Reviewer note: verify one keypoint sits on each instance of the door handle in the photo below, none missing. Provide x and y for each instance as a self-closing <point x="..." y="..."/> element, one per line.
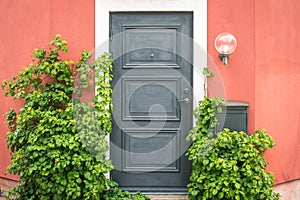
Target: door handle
<point x="185" y="100"/>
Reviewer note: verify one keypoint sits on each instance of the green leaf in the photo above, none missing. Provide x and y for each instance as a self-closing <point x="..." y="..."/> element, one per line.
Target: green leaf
<point x="214" y="191"/>
<point x="205" y="162"/>
<point x="219" y="109"/>
<point x="53" y="73"/>
<point x="237" y="185"/>
<point x="207" y="73"/>
<point x="235" y="168"/>
<point x="220" y="195"/>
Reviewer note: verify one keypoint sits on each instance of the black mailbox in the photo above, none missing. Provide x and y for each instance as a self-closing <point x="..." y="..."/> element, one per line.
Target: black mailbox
<point x="234" y="116"/>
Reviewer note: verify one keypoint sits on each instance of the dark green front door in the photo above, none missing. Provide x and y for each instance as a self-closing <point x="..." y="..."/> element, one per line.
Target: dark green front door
<point x="152" y="99"/>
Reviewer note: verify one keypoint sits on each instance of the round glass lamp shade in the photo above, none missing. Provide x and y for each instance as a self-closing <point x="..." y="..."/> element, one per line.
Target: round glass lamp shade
<point x="225" y="43"/>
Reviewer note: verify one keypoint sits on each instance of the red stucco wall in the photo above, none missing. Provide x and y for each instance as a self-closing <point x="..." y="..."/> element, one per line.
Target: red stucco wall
<point x="264" y="71"/>
<point x="28" y="24"/>
<point x="277" y="82"/>
<point x="236" y="17"/>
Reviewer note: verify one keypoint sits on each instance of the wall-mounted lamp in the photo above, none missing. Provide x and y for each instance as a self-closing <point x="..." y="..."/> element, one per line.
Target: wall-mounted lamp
<point x="225" y="43"/>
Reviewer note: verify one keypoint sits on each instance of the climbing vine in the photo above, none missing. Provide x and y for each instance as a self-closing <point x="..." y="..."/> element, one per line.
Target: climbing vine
<point x="206" y="119"/>
<point x="57" y="141"/>
<point x="229" y="164"/>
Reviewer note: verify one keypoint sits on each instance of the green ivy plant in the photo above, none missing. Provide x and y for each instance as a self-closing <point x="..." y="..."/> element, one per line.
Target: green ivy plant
<point x="206" y="119"/>
<point x="226" y="165"/>
<point x="207" y="74"/>
<point x="231" y="166"/>
<point x="57" y="142"/>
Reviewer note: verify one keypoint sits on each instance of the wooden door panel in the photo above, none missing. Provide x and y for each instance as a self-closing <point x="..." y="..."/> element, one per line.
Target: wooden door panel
<point x="152" y="69"/>
<point x="161" y="42"/>
<point x="151" y="150"/>
<point x="151" y="98"/>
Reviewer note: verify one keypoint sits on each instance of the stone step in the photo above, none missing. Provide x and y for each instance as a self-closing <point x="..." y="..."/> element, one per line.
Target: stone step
<point x="168" y="196"/>
<point x="5" y="185"/>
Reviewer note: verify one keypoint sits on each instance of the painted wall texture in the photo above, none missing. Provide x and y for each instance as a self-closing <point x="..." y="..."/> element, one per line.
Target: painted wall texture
<point x="264" y="71"/>
<point x="236" y="17"/>
<point x="277" y="82"/>
<point x="30" y="24"/>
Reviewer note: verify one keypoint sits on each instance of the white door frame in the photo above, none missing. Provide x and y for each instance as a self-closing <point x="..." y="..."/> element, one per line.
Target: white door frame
<point x="199" y="9"/>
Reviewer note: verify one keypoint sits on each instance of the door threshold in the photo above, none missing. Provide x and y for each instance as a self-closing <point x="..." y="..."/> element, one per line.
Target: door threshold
<point x="167" y="196"/>
<point x="157" y="190"/>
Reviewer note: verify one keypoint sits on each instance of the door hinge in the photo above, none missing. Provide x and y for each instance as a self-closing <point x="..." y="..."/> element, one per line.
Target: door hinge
<point x="111" y="34"/>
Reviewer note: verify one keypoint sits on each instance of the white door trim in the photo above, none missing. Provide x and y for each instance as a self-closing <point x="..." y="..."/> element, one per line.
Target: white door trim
<point x="199" y="9"/>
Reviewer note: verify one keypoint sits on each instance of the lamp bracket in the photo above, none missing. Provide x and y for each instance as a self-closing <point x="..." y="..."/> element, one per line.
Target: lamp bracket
<point x="224" y="57"/>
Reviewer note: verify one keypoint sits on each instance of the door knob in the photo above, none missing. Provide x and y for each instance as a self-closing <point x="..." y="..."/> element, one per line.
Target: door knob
<point x="185" y="100"/>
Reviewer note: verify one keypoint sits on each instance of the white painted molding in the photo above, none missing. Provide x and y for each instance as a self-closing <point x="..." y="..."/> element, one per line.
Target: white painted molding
<point x="199" y="9"/>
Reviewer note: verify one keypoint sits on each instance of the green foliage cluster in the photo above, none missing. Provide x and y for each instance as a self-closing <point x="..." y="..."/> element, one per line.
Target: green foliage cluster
<point x="206" y="119"/>
<point x="57" y="142"/>
<point x="229" y="164"/>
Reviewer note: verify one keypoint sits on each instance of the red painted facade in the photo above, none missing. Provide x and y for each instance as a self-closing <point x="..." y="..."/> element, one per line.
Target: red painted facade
<point x="277" y="82"/>
<point x="30" y="24"/>
<point x="263" y="71"/>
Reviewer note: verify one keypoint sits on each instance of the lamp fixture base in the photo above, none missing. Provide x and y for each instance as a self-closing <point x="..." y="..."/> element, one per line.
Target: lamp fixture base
<point x="224" y="57"/>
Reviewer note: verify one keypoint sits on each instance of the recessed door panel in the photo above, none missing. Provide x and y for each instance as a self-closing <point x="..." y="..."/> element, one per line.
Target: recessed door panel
<point x="148" y="150"/>
<point x="151" y="98"/>
<point x="150" y="46"/>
